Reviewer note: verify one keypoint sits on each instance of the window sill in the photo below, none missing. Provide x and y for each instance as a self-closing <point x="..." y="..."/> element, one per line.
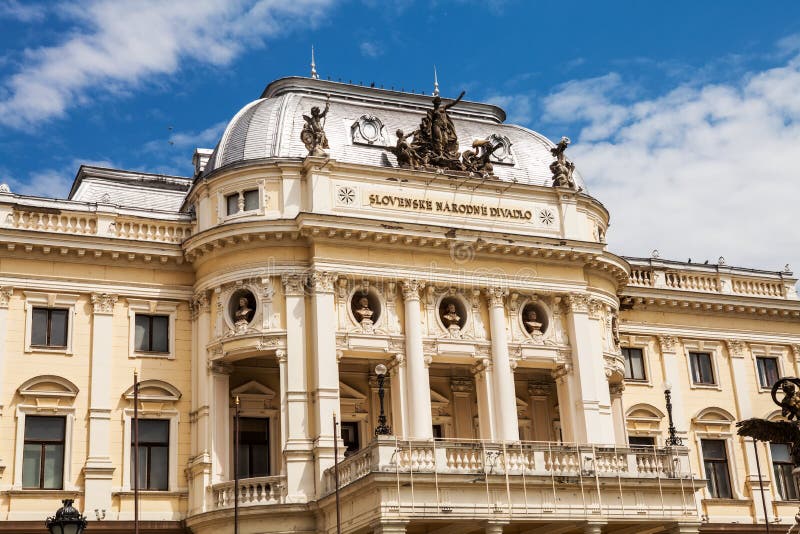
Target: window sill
<point x="43" y="492"/>
<point x="155" y="355"/>
<point x="240" y="214"/>
<point x="731" y="501"/>
<point x="636" y="381"/>
<point x="49" y="350"/>
<point x="706" y="386"/>
<point x="151" y="493"/>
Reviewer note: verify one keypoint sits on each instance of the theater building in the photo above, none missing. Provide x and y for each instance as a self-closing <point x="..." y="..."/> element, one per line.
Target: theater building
<point x="525" y="362"/>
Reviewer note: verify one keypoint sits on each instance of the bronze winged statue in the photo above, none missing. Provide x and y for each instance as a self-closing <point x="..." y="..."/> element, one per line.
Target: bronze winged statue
<point x="773" y="432"/>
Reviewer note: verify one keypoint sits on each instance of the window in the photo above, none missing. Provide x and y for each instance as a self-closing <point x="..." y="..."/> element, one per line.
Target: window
<point x="350" y="437"/>
<point x="641" y="441"/>
<point x="253" y="459"/>
<point x="151" y="333"/>
<point x="153" y="454"/>
<point x="715" y="462"/>
<point x="244" y="201"/>
<point x="43" y="452"/>
<point x="634" y="363"/>
<point x="438" y="433"/>
<point x="49" y="327"/>
<point x="782" y="467"/>
<point x="702" y="370"/>
<point x="767" y="371"/>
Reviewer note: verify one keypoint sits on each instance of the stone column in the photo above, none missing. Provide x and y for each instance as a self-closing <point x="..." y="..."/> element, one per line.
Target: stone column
<point x="99" y="468"/>
<point x="325" y="370"/>
<point x="484" y="389"/>
<point x="200" y="468"/>
<point x="397" y="383"/>
<point x="298" y="445"/>
<point x="737" y="351"/>
<point x="420" y="422"/>
<point x="592" y="422"/>
<point x="221" y="420"/>
<point x="566" y="403"/>
<point x="618" y="414"/>
<point x="5" y="298"/>
<point x="672" y="374"/>
<point x="462" y="389"/>
<point x="505" y="400"/>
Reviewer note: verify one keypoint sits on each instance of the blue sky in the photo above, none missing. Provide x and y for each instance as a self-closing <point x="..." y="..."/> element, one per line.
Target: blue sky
<point x="684" y="115"/>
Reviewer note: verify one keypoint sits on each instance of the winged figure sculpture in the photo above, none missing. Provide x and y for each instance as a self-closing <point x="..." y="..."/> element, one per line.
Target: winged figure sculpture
<point x="773" y="432"/>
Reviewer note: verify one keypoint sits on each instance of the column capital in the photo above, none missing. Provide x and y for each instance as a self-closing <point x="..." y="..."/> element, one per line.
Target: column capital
<point x="220" y="368"/>
<point x="539" y="389"/>
<point x="462" y="385"/>
<point x="796" y="352"/>
<point x="668" y="344"/>
<point x="5" y="295"/>
<point x="411" y="289"/>
<point x="200" y="303"/>
<point x="293" y="284"/>
<point x="561" y="371"/>
<point x="736" y="348"/>
<point x="322" y="281"/>
<point x="280" y="355"/>
<point x="596" y="308"/>
<point x="484" y="364"/>
<point x="103" y="303"/>
<point x="616" y="389"/>
<point x="578" y="302"/>
<point x="495" y="296"/>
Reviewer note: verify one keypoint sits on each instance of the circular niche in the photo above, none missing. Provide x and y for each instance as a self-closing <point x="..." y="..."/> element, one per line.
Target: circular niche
<point x="534" y="318"/>
<point x="242" y="306"/>
<point x="452" y="312"/>
<point x="365" y="305"/>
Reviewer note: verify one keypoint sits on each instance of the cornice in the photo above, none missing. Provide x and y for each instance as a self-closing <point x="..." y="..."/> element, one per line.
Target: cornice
<point x="672" y="333"/>
<point x="128" y="289"/>
<point x="708" y="303"/>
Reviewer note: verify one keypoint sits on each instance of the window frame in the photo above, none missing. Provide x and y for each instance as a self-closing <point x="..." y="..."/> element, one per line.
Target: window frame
<point x="171" y="415"/>
<point x="149" y="446"/>
<point x="625" y="349"/>
<point x="42" y="447"/>
<point x="24" y="410"/>
<point x="239" y="190"/>
<point x="269" y="444"/>
<point x="696" y="368"/>
<point x="152" y="307"/>
<point x="48" y="334"/>
<point x="150" y="317"/>
<point x="713" y="348"/>
<point x="715" y="462"/>
<point x="774" y="359"/>
<point x="790" y="480"/>
<point x="52" y="301"/>
<point x="778" y="353"/>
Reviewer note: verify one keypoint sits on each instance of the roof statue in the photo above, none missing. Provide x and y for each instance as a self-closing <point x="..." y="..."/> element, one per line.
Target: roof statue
<point x="562" y="168"/>
<point x="313" y="132"/>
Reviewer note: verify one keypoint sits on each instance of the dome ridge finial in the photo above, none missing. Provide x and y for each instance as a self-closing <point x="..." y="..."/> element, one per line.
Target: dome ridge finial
<point x="435" y="82"/>
<point x="314" y="75"/>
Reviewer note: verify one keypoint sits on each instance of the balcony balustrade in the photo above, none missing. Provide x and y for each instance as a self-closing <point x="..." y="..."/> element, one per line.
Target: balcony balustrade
<point x="252" y="492"/>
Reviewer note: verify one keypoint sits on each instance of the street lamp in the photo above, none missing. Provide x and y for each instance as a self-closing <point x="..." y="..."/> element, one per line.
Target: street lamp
<point x="672" y="440"/>
<point x="67" y="520"/>
<point x="382" y="429"/>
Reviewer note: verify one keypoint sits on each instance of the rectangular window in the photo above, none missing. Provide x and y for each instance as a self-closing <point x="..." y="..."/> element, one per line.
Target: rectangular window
<point x="641" y="441"/>
<point x="438" y="432"/>
<point x="251" y="200"/>
<point x="153" y="454"/>
<point x="767" y="371"/>
<point x="151" y="333"/>
<point x="351" y="437"/>
<point x="702" y="370"/>
<point x="634" y="363"/>
<point x="715" y="461"/>
<point x="49" y="327"/>
<point x="43" y="452"/>
<point x="232" y="202"/>
<point x="253" y="457"/>
<point x="782" y="467"/>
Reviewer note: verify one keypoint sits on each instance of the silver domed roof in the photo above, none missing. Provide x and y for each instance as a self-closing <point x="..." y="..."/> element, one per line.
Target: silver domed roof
<point x="270" y="128"/>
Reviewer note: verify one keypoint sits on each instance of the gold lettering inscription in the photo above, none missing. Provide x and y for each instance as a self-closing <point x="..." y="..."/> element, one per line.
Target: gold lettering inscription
<point x="454" y="208"/>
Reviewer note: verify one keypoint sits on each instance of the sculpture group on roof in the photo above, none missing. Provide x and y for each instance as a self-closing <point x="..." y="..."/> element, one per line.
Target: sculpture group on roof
<point x="313" y="132"/>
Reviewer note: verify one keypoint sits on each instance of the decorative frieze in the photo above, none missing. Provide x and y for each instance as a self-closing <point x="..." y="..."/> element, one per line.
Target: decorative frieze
<point x="5" y="296"/>
<point x="103" y="303"/>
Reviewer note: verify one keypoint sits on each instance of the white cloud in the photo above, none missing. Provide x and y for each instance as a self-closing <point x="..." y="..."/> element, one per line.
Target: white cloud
<point x="116" y="45"/>
<point x="370" y="49"/>
<point x="50" y="183"/>
<point x="13" y="9"/>
<point x="700" y="172"/>
<point x="518" y="107"/>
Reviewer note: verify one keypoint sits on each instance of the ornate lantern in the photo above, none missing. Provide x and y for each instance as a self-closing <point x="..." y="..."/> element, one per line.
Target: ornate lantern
<point x="68" y="520"/>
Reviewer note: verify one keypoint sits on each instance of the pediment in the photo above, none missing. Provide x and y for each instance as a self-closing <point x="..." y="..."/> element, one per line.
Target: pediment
<point x="253" y="388"/>
<point x="154" y="391"/>
<point x="48" y="386"/>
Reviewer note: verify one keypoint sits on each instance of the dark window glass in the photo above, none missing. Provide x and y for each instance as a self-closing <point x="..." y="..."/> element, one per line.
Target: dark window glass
<point x="702" y="370"/>
<point x="232" y="201"/>
<point x="641" y="441"/>
<point x="350" y="437"/>
<point x="251" y="200"/>
<point x="782" y="467"/>
<point x="43" y="452"/>
<point x="715" y="461"/>
<point x="253" y="457"/>
<point x="153" y="454"/>
<point x="767" y="371"/>
<point x="49" y="327"/>
<point x="634" y="364"/>
<point x="151" y="333"/>
<point x="438" y="432"/>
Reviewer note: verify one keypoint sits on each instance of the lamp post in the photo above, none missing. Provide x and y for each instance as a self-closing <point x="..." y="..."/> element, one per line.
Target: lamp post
<point x="382" y="429"/>
<point x="672" y="439"/>
<point x="67" y="520"/>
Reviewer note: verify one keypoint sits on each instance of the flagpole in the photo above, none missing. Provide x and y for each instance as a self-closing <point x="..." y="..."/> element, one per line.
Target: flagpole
<point x="135" y="452"/>
<point x="336" y="474"/>
<point x="236" y="467"/>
